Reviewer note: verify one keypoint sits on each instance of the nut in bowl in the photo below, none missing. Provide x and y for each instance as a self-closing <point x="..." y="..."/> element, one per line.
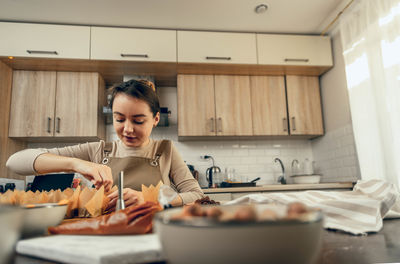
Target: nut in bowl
<point x="240" y="234"/>
<point x="38" y="217"/>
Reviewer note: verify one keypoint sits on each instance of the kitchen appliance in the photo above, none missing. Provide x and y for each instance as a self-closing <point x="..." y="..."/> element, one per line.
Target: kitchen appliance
<point x="272" y="241"/>
<point x="211" y="172"/>
<point x="120" y="201"/>
<point x="164" y="117"/>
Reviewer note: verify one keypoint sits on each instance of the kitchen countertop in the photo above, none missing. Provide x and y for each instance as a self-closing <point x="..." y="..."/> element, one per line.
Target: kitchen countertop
<point x="338" y="247"/>
<point x="282" y="187"/>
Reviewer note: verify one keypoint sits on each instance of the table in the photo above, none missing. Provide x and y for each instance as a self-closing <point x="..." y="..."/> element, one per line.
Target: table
<point x="338" y="247"/>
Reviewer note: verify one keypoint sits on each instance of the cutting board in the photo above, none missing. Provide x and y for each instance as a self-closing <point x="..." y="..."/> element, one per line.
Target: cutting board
<point x="94" y="249"/>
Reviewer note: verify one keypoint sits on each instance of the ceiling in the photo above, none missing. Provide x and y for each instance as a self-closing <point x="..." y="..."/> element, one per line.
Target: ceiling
<point x="282" y="16"/>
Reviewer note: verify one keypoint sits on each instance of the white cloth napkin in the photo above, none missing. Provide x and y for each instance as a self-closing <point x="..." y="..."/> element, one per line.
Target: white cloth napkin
<point x="358" y="211"/>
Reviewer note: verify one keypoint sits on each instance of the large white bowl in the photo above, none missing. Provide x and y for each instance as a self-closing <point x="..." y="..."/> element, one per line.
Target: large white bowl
<point x="306" y="179"/>
<point x="42" y="216"/>
<point x="206" y="241"/>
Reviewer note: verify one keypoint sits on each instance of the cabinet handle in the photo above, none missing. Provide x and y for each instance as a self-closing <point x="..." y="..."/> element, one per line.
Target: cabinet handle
<point x="48" y="125"/>
<point x="219" y="124"/>
<point x="293" y="123"/>
<point x="299" y="60"/>
<point x="42" y="52"/>
<point x="285" y="125"/>
<point x="212" y="125"/>
<point x="218" y="58"/>
<point x="134" y="55"/>
<point x="58" y="125"/>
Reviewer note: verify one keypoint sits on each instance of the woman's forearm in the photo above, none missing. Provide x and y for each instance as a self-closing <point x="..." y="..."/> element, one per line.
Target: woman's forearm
<point x="47" y="162"/>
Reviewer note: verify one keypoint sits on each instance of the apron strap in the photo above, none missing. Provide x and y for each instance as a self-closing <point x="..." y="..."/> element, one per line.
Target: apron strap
<point x="107" y="150"/>
<point x="159" y="152"/>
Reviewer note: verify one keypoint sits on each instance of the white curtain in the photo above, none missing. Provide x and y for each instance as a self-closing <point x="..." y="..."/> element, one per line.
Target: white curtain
<point x="370" y="33"/>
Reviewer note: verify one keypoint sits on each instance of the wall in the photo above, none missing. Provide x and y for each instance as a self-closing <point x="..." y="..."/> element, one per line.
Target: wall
<point x="335" y="152"/>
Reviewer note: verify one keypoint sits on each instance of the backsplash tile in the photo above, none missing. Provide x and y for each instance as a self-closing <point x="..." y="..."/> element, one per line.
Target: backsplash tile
<point x="335" y="155"/>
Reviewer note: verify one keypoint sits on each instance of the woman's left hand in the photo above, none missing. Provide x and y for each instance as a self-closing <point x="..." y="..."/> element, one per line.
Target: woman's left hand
<point x="131" y="197"/>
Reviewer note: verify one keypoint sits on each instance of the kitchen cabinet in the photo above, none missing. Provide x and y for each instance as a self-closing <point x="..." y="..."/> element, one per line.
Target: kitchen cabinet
<point x="214" y="105"/>
<point x="57" y="105"/>
<point x="133" y="44"/>
<point x="43" y="40"/>
<point x="276" y="49"/>
<point x="268" y="105"/>
<point x="304" y="105"/>
<point x="217" y="47"/>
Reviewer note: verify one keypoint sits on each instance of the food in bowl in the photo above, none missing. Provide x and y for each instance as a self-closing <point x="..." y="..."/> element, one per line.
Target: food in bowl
<point x="240" y="234"/>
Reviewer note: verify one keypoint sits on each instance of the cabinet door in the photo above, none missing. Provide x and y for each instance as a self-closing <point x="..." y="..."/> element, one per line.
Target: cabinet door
<point x="217" y="47"/>
<point x="46" y="41"/>
<point x="32" y="104"/>
<point x="233" y="105"/>
<point x="133" y="44"/>
<point x="196" y="108"/>
<point x="304" y="105"/>
<point x="268" y="104"/>
<point x="77" y="105"/>
<point x="294" y="50"/>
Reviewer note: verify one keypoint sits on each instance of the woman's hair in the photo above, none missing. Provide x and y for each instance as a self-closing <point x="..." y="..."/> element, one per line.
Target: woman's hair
<point x="140" y="89"/>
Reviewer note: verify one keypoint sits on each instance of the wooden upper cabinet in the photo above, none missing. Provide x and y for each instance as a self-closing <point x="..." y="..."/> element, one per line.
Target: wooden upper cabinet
<point x="216" y="47"/>
<point x="32" y="104"/>
<point x="304" y="105"/>
<point x="233" y="105"/>
<point x="57" y="104"/>
<point x="294" y="50"/>
<point x="133" y="44"/>
<point x="196" y="107"/>
<point x="80" y="97"/>
<point x="268" y="104"/>
<point x="46" y="41"/>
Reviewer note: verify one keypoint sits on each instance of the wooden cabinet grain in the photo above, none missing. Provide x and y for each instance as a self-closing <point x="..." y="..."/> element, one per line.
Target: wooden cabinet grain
<point x="57" y="104"/>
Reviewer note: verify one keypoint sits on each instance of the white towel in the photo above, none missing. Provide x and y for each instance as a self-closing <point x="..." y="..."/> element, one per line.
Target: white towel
<point x="358" y="211"/>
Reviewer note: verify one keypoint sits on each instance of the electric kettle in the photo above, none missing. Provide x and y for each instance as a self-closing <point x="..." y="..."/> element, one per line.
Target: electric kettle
<point x="211" y="172"/>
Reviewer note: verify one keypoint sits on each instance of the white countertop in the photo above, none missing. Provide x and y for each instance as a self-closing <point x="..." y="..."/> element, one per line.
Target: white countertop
<point x="283" y="187"/>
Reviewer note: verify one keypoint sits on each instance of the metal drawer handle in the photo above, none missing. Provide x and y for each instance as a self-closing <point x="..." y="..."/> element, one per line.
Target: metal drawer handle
<point x="212" y="125"/>
<point x="42" y="52"/>
<point x="220" y="124"/>
<point x="58" y="125"/>
<point x="48" y="125"/>
<point x="293" y="123"/>
<point x="218" y="58"/>
<point x="300" y="60"/>
<point x="285" y="125"/>
<point x="134" y="55"/>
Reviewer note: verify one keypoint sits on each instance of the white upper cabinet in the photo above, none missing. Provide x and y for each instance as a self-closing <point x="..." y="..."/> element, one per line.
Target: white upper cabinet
<point x="133" y="44"/>
<point x="217" y="47"/>
<point x="276" y="49"/>
<point x="46" y="41"/>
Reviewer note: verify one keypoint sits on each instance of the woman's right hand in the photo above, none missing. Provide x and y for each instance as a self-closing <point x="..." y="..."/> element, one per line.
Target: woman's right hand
<point x="98" y="174"/>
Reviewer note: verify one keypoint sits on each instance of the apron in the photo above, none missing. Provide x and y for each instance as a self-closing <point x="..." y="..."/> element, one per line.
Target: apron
<point x="137" y="170"/>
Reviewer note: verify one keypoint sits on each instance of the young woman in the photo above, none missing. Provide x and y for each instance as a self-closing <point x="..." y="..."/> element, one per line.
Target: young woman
<point x="136" y="111"/>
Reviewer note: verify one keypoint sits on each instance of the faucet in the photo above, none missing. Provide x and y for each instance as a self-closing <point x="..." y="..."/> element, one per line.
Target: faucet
<point x="281" y="178"/>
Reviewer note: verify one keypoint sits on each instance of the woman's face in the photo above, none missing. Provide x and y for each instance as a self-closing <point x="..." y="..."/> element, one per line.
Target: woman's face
<point x="133" y="120"/>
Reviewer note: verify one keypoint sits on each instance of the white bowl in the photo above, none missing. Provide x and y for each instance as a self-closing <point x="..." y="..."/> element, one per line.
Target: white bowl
<point x="207" y="241"/>
<point x="38" y="218"/>
<point x="306" y="179"/>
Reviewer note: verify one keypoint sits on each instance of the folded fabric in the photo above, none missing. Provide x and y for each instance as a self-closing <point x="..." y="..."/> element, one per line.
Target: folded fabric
<point x="358" y="211"/>
<point x="132" y="220"/>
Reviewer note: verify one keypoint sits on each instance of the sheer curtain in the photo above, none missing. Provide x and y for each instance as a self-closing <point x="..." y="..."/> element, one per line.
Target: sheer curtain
<point x="370" y="33"/>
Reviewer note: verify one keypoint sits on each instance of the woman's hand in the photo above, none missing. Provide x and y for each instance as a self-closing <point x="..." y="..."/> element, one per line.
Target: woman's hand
<point x="98" y="174"/>
<point x="131" y="197"/>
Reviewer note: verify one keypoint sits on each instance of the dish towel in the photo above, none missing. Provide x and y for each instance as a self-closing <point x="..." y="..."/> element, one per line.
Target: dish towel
<point x="358" y="211"/>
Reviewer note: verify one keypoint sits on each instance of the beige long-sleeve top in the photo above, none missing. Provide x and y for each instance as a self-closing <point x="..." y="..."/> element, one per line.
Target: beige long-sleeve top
<point x="172" y="165"/>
